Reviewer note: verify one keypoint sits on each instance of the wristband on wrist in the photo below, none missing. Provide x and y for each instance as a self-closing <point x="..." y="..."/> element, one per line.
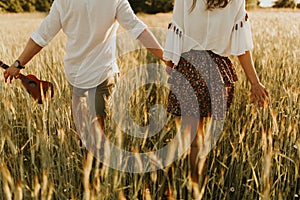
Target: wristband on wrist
<point x="18" y="65"/>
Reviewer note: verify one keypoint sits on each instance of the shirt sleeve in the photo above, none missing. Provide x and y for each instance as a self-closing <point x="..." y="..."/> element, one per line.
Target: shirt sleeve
<point x="128" y="20"/>
<point x="175" y="34"/>
<point x="50" y="26"/>
<point x="241" y="37"/>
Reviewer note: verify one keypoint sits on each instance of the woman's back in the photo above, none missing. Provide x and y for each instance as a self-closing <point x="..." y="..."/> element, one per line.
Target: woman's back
<point x="214" y="29"/>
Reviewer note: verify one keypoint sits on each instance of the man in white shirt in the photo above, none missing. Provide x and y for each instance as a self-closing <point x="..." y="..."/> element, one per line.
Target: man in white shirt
<point x="90" y="60"/>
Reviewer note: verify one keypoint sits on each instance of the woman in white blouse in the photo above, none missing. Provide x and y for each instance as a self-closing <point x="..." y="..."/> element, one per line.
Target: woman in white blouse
<point x="201" y="36"/>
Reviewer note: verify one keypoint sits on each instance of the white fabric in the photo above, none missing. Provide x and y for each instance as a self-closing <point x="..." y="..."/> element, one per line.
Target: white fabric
<point x="203" y="29"/>
<point x="91" y="28"/>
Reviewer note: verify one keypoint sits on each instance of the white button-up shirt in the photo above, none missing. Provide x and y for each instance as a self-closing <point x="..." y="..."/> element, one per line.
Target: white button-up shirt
<point x="90" y="27"/>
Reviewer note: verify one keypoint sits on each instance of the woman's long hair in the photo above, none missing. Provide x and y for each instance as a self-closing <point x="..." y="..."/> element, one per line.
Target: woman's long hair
<point x="212" y="4"/>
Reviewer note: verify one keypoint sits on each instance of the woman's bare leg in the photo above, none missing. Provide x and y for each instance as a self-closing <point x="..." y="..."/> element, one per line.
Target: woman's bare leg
<point x="194" y="152"/>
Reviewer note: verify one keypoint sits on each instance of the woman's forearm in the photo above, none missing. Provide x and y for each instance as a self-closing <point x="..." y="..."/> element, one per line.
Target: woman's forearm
<point x="248" y="67"/>
<point x="258" y="90"/>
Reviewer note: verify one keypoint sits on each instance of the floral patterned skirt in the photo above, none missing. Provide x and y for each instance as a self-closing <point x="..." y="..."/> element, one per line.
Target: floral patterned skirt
<point x="201" y="85"/>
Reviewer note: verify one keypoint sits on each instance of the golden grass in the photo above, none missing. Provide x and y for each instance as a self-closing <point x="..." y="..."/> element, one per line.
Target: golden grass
<point x="256" y="157"/>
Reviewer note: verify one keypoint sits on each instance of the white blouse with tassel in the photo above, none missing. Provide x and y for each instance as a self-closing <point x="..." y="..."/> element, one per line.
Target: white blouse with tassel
<point x="225" y="31"/>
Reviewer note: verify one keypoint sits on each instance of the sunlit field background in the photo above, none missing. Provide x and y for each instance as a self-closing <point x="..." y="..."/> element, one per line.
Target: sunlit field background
<point x="256" y="157"/>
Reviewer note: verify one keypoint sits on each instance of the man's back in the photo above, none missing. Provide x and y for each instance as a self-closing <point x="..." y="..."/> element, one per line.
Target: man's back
<point x="90" y="27"/>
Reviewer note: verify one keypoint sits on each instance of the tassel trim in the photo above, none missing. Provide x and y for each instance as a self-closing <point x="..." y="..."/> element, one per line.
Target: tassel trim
<point x="241" y="24"/>
<point x="176" y="30"/>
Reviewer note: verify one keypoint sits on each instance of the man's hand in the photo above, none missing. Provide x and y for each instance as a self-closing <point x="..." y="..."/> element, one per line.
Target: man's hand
<point x="10" y="73"/>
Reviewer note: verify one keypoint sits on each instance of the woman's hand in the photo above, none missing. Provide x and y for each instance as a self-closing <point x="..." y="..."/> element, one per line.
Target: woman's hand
<point x="10" y="73"/>
<point x="259" y="94"/>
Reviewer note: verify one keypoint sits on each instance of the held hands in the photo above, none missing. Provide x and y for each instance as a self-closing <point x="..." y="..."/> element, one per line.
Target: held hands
<point x="169" y="66"/>
<point x="10" y="73"/>
<point x="259" y="94"/>
<point x="168" y="63"/>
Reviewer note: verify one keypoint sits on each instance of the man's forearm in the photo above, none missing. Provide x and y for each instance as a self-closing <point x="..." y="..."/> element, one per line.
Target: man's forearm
<point x="151" y="44"/>
<point x="30" y="50"/>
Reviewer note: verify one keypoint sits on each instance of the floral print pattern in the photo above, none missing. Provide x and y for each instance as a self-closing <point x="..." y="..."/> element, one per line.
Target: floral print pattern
<point x="201" y="85"/>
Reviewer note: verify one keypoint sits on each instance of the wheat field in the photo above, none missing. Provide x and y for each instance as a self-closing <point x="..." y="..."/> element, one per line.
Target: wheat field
<point x="256" y="157"/>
